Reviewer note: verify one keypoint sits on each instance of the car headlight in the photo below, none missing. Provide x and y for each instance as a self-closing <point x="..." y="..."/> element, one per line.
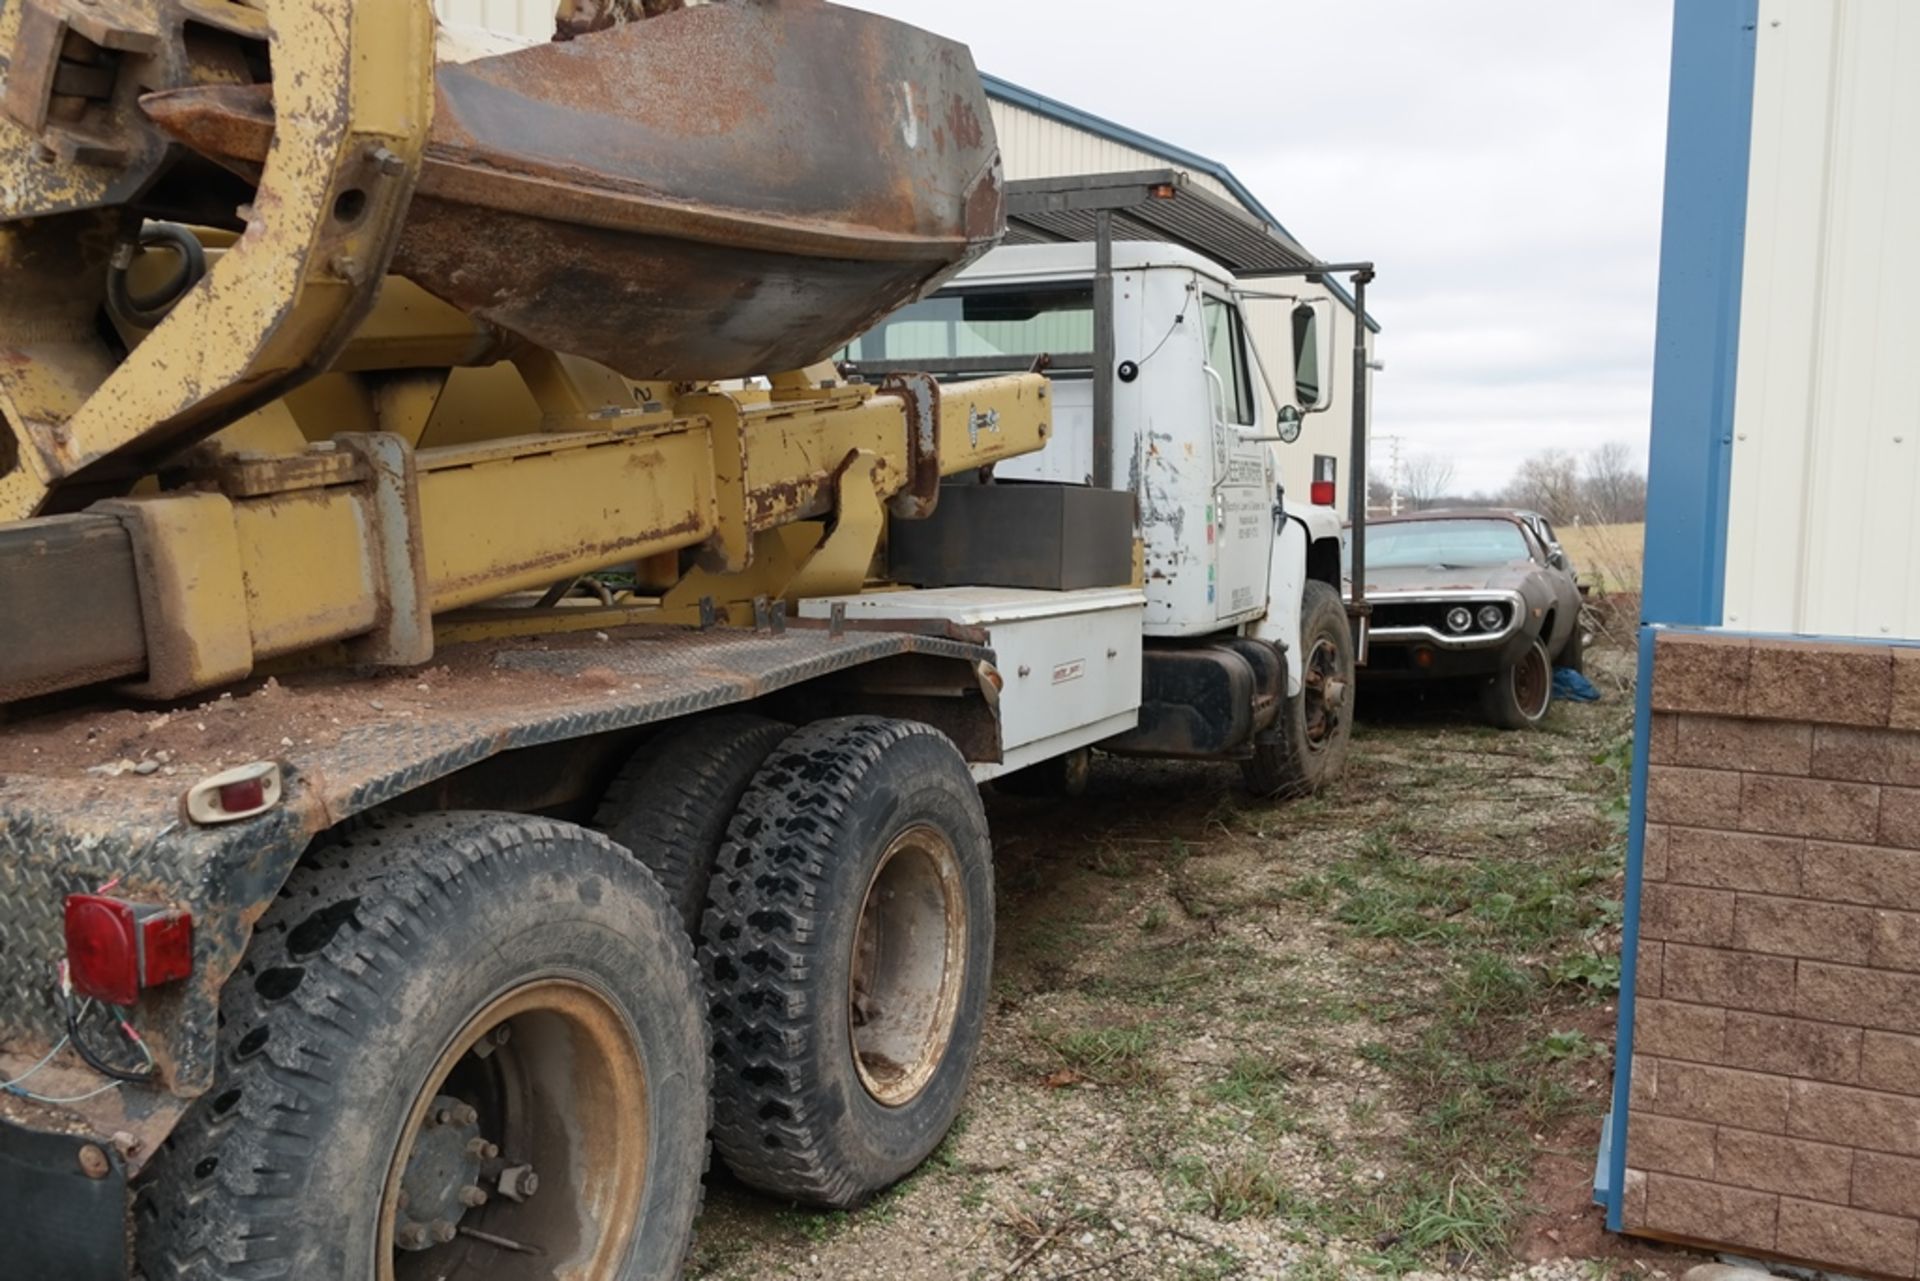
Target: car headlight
<point x="1459" y="619"/>
<point x="1492" y="618"/>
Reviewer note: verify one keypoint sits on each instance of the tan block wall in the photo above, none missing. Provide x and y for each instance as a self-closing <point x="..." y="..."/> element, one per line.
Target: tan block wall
<point x="1775" y="1102"/>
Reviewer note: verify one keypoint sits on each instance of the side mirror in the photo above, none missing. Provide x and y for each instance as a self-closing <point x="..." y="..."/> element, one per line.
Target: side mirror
<point x="1291" y="421"/>
<point x="1312" y="368"/>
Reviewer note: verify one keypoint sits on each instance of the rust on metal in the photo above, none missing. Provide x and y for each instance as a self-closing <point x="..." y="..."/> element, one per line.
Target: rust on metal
<point x="723" y="190"/>
<point x="919" y="394"/>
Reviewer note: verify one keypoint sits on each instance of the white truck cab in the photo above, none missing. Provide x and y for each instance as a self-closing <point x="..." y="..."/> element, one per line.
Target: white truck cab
<point x="1197" y="415"/>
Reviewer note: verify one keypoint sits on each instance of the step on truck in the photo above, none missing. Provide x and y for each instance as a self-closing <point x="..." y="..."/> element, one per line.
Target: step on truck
<point x="476" y="723"/>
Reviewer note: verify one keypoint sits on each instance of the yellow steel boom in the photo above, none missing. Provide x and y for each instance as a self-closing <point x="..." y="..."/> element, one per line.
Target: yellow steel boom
<point x="284" y="370"/>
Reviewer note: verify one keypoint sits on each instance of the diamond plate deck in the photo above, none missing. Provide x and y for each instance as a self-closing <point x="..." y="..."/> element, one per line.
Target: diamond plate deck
<point x="347" y="745"/>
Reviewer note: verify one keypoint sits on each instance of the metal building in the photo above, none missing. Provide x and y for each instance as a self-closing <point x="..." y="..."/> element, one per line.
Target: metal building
<point x="1767" y="1081"/>
<point x="1041" y="137"/>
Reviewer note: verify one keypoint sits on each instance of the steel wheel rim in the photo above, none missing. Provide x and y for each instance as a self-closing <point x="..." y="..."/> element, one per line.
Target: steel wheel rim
<point x="1324" y="693"/>
<point x="1532" y="680"/>
<point x="564" y="1093"/>
<point x="908" y="966"/>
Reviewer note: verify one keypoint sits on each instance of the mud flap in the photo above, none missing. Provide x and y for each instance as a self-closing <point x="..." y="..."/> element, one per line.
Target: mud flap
<point x="60" y="1221"/>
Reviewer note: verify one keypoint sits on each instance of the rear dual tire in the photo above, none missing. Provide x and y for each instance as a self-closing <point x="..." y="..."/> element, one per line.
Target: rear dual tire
<point x="848" y="951"/>
<point x="413" y="970"/>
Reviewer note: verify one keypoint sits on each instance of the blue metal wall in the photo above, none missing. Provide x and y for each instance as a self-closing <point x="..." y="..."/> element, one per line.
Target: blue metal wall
<point x="1696" y="354"/>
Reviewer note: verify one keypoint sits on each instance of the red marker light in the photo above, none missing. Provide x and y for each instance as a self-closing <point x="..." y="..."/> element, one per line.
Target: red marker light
<point x="115" y="949"/>
<point x="1321" y="493"/>
<point x="248" y="794"/>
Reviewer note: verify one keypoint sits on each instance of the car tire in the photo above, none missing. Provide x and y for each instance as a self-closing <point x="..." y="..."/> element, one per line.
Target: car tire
<point x="422" y="988"/>
<point x="1518" y="696"/>
<point x="848" y="956"/>
<point x="673" y="800"/>
<point x="1307" y="749"/>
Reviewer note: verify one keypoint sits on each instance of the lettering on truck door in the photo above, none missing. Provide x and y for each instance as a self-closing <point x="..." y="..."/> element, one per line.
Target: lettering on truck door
<point x="1240" y="515"/>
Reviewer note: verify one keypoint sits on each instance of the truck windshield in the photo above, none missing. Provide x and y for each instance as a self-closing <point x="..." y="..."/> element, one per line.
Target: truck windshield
<point x="984" y="324"/>
<point x="1461" y="544"/>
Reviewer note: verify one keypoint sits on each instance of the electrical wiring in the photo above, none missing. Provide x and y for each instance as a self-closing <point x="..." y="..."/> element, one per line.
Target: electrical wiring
<point x="1193" y="291"/>
<point x="11" y="1086"/>
<point x="96" y="1062"/>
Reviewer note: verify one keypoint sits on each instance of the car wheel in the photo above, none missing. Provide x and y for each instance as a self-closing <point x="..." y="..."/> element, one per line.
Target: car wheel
<point x="1518" y="696"/>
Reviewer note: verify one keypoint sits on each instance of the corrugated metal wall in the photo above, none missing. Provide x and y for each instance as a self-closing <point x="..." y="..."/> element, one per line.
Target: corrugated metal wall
<point x="530" y="18"/>
<point x="1823" y="536"/>
<point x="1037" y="146"/>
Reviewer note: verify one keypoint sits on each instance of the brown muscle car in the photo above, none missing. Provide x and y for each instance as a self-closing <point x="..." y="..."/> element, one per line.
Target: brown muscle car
<point x="1482" y="597"/>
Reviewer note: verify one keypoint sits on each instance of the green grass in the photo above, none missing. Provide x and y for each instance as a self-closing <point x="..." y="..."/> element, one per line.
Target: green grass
<point x="1485" y="941"/>
<point x="1120" y="1056"/>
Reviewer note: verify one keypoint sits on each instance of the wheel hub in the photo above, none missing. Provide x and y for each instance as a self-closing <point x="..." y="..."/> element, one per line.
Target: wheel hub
<point x="552" y="1071"/>
<point x="1324" y="691"/>
<point x="909" y="963"/>
<point x="442" y="1177"/>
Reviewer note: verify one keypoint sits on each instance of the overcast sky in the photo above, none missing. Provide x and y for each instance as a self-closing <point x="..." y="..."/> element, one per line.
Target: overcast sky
<point x="1501" y="161"/>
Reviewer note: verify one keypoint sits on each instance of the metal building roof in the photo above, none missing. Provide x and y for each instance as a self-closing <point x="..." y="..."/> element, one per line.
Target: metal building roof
<point x="1156" y="204"/>
<point x="1052" y="108"/>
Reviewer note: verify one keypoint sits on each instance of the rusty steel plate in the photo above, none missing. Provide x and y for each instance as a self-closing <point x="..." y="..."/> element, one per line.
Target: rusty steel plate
<point x="347" y="744"/>
<point x="725" y="190"/>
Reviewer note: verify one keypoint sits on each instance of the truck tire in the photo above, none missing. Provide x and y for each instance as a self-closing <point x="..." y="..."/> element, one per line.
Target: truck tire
<point x="672" y="801"/>
<point x="1307" y="749"/>
<point x="1518" y="697"/>
<point x="421" y="989"/>
<point x="848" y="953"/>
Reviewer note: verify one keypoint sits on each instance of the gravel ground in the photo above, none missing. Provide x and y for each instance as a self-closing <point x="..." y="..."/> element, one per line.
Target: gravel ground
<point x="1205" y="1056"/>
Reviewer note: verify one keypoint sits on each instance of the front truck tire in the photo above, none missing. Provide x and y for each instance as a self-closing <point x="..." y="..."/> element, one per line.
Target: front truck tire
<point x="848" y="953"/>
<point x="1307" y="749"/>
<point x="441" y="1011"/>
<point x="671" y="803"/>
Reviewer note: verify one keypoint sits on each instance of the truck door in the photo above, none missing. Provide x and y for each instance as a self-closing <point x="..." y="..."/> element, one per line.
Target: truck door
<point x="1241" y="513"/>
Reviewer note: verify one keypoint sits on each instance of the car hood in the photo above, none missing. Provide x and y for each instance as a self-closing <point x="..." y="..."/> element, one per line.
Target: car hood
<point x="1436" y="578"/>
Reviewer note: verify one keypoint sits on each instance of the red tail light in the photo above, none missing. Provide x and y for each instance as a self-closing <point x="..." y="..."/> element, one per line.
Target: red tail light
<point x="116" y="948"/>
<point x="1322" y="493"/>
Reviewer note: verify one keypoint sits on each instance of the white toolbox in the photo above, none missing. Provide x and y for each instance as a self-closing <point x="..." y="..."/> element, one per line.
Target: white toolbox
<point x="1070" y="661"/>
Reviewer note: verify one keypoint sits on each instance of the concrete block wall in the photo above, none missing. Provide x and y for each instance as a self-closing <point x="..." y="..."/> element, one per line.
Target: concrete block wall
<point x="1775" y="1097"/>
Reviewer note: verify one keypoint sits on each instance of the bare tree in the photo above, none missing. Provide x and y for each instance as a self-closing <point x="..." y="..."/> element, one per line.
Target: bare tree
<point x="1549" y="483"/>
<point x="1614" y="487"/>
<point x="1429" y="480"/>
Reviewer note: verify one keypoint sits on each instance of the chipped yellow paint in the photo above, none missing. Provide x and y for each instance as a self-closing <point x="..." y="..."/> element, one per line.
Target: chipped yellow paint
<point x="350" y="79"/>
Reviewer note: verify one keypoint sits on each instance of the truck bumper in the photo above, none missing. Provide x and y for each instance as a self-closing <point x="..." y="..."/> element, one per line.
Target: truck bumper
<point x="65" y="1200"/>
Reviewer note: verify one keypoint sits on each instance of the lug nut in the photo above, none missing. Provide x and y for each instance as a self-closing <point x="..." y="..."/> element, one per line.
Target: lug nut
<point x="482" y="1149"/>
<point x="444" y="1231"/>
<point x="413" y="1237"/>
<point x="467" y="1114"/>
<point x="471" y="1196"/>
<point x="518" y="1182"/>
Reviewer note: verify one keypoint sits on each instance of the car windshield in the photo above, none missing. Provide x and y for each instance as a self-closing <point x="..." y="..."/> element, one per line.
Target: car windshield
<point x="1444" y="544"/>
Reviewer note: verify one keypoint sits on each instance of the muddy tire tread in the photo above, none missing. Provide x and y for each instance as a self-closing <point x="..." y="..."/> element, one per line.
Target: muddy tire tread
<point x="403" y="878"/>
<point x="672" y="802"/>
<point x="768" y="1124"/>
